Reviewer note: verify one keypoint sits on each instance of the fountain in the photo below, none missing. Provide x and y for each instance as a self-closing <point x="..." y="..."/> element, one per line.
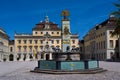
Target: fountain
<point x="67" y="61"/>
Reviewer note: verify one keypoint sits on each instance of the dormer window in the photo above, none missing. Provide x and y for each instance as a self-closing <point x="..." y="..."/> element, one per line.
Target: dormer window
<point x="46" y="26"/>
<point x="46" y="32"/>
<point x="35" y="32"/>
<point x="57" y="32"/>
<point x="52" y="32"/>
<point x="110" y="32"/>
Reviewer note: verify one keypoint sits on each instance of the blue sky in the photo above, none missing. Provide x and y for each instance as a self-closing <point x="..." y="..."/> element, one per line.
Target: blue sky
<point x="22" y="15"/>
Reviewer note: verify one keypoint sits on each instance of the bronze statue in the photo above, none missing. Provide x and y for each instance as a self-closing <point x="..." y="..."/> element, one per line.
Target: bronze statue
<point x="65" y="13"/>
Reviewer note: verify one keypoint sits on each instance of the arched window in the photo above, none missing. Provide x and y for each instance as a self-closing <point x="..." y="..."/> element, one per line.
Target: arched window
<point x="11" y="49"/>
<point x="11" y="57"/>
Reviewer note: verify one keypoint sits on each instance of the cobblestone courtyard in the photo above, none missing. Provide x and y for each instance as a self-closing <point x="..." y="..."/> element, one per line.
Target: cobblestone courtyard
<point x="21" y="71"/>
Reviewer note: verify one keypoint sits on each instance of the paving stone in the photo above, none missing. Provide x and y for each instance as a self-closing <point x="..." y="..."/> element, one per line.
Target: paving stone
<point x="21" y="71"/>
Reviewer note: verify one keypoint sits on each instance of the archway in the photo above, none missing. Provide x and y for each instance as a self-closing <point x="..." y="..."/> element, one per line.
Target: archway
<point x="42" y="55"/>
<point x="47" y="56"/>
<point x="11" y="57"/>
<point x="112" y="57"/>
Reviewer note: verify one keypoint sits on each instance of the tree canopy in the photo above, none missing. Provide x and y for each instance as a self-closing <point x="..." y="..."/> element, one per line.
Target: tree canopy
<point x="117" y="15"/>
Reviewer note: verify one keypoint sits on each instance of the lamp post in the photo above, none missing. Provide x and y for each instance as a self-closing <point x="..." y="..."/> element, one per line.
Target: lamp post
<point x="1" y="53"/>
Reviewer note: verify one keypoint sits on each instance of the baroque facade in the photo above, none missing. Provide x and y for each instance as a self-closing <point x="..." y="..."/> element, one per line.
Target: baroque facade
<point x="45" y="35"/>
<point x="4" y="43"/>
<point x="98" y="42"/>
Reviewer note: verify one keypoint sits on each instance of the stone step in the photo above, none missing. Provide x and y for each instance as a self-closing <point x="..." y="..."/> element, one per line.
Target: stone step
<point x="91" y="71"/>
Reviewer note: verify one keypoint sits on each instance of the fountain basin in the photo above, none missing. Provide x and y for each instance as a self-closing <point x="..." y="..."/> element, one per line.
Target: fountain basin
<point x="68" y="65"/>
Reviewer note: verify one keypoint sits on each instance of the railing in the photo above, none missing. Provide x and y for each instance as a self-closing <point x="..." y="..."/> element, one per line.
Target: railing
<point x="24" y="34"/>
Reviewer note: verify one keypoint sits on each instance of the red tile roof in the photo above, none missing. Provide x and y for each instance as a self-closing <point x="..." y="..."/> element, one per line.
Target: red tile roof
<point x="41" y="26"/>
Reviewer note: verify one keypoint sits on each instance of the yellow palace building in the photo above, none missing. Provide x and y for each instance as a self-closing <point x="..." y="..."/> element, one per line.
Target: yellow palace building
<point x="98" y="42"/>
<point x="31" y="46"/>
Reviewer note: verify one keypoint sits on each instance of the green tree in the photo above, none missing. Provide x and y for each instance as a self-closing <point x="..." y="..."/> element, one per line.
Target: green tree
<point x="117" y="15"/>
<point x="117" y="28"/>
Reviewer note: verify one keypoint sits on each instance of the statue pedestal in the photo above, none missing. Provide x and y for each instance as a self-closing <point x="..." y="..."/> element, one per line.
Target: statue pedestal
<point x="66" y="55"/>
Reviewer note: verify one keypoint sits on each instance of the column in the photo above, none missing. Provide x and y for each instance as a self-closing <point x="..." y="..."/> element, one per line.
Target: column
<point x="15" y="57"/>
<point x="50" y="56"/>
<point x="44" y="56"/>
<point x="21" y="58"/>
<point x="27" y="57"/>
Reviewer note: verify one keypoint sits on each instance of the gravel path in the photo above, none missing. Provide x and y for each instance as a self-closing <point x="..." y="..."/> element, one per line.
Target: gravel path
<point x="20" y="71"/>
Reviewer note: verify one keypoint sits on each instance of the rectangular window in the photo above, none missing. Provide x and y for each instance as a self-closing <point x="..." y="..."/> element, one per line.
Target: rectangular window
<point x="101" y="45"/>
<point x="73" y="41"/>
<point x="25" y="41"/>
<point x="52" y="41"/>
<point x="30" y="41"/>
<point x="19" y="41"/>
<point x="36" y="41"/>
<point x="110" y="32"/>
<point x="97" y="46"/>
<point x="117" y="44"/>
<point x="52" y="32"/>
<point x="41" y="41"/>
<point x="41" y="47"/>
<point x="46" y="32"/>
<point x="57" y="32"/>
<point x="57" y="41"/>
<point x="111" y="43"/>
<point x="11" y="49"/>
<point x="19" y="48"/>
<point x="30" y="48"/>
<point x="104" y="44"/>
<point x="25" y="48"/>
<point x="35" y="32"/>
<point x="101" y="34"/>
<point x="41" y="32"/>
